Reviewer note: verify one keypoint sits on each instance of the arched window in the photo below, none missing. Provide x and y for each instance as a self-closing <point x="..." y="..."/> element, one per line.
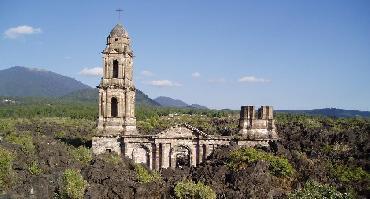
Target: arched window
<point x="115" y="69"/>
<point x="114" y="107"/>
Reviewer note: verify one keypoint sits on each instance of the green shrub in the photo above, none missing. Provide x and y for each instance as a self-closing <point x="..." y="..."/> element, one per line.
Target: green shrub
<point x="60" y="134"/>
<point x="24" y="140"/>
<point x="112" y="158"/>
<point x="7" y="126"/>
<point x="314" y="189"/>
<point x="34" y="168"/>
<point x="81" y="154"/>
<point x="243" y="157"/>
<point x="189" y="189"/>
<point x="348" y="174"/>
<point x="144" y="176"/>
<point x="73" y="184"/>
<point x="6" y="172"/>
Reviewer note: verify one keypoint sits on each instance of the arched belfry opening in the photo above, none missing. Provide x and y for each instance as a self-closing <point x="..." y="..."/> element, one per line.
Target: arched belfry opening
<point x="115" y="69"/>
<point x="114" y="107"/>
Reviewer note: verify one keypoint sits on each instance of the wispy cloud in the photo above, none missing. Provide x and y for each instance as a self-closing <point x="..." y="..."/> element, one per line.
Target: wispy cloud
<point x="15" y="32"/>
<point x="147" y="73"/>
<point x="218" y="80"/>
<point x="195" y="74"/>
<point x="96" y="71"/>
<point x="164" y="83"/>
<point x="253" y="79"/>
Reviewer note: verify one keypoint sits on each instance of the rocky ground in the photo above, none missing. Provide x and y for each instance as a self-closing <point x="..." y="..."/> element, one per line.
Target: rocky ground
<point x="325" y="150"/>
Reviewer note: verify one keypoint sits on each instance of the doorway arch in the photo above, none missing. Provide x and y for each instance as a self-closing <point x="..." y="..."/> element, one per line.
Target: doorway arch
<point x="180" y="156"/>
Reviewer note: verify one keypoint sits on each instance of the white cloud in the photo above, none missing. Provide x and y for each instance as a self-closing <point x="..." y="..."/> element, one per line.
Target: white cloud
<point x="15" y="32"/>
<point x="218" y="80"/>
<point x="96" y="71"/>
<point x="253" y="79"/>
<point x="164" y="83"/>
<point x="147" y="73"/>
<point x="195" y="74"/>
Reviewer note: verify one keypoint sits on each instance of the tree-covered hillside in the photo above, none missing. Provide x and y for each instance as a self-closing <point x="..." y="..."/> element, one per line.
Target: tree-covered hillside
<point x="22" y="81"/>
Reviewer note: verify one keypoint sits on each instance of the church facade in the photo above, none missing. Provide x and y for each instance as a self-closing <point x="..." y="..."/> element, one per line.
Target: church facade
<point x="181" y="145"/>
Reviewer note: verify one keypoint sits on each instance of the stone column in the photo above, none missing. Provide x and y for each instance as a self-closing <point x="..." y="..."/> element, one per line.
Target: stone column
<point x="105" y="68"/>
<point x="119" y="105"/>
<point x="110" y="71"/>
<point x="100" y="102"/>
<point x="132" y="104"/>
<point x="194" y="155"/>
<point x="166" y="155"/>
<point x="127" y="103"/>
<point x="109" y="106"/>
<point x="150" y="158"/>
<point x="200" y="153"/>
<point x="157" y="156"/>
<point x="103" y="102"/>
<point x="123" y="68"/>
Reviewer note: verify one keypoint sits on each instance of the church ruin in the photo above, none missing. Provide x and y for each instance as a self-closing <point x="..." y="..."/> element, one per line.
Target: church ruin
<point x="181" y="145"/>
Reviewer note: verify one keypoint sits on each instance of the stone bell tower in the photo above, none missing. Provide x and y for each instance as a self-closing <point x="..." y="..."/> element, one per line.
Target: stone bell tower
<point x="116" y="89"/>
<point x="116" y="94"/>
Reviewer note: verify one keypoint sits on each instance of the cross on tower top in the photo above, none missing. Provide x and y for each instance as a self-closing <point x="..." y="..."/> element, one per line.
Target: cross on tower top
<point x="119" y="10"/>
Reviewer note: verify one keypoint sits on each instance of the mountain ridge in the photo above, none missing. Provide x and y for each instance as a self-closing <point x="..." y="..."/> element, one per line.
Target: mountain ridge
<point x="176" y="103"/>
<point x="329" y="112"/>
<point x="22" y="82"/>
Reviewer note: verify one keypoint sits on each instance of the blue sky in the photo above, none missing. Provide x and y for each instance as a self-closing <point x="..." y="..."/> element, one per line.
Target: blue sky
<point x="223" y="54"/>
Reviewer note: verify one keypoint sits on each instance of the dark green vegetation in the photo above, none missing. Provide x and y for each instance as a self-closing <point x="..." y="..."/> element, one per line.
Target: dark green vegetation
<point x="73" y="185"/>
<point x="45" y="147"/>
<point x="145" y="176"/>
<point x="6" y="162"/>
<point x="243" y="157"/>
<point x="189" y="189"/>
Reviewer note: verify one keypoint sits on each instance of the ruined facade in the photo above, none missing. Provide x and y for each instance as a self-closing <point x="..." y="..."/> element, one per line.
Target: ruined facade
<point x="181" y="145"/>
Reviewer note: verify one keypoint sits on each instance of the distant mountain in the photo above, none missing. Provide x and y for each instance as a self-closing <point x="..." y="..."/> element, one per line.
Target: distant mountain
<point x="169" y="102"/>
<point x="143" y="99"/>
<point x="91" y="95"/>
<point x="22" y="81"/>
<point x="330" y="112"/>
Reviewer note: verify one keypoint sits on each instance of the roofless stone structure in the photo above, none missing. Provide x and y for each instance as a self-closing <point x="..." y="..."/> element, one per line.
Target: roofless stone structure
<point x="181" y="145"/>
